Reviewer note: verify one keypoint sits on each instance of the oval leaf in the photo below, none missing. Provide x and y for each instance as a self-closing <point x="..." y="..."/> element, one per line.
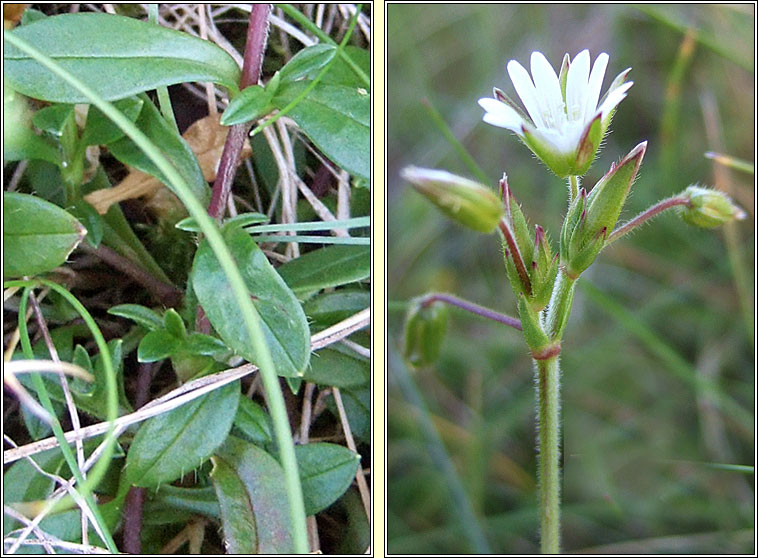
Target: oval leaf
<point x="252" y="103"/>
<point x="249" y="484"/>
<point x="157" y="345"/>
<point x="99" y="130"/>
<point x="336" y="118"/>
<point x="142" y="315"/>
<point x="253" y="421"/>
<point x="173" y="444"/>
<point x="37" y="235"/>
<point x="327" y="267"/>
<point x="308" y="60"/>
<point x="282" y="317"/>
<point x="333" y="368"/>
<point x="117" y="56"/>
<point x="326" y="471"/>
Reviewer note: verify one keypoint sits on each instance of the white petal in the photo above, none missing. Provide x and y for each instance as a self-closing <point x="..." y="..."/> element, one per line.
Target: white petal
<point x="595" y="83"/>
<point x="556" y="141"/>
<point x="548" y="91"/>
<point x="500" y="114"/>
<point x="576" y="86"/>
<point x="614" y="98"/>
<point x="525" y="89"/>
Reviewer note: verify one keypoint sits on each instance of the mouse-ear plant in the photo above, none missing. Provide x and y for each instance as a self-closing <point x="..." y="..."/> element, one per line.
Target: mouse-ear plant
<point x="564" y="123"/>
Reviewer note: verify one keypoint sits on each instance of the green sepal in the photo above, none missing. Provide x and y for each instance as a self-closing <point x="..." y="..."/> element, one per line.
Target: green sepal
<point x="575" y="210"/>
<point x="519" y="225"/>
<point x="559" y="163"/>
<point x="544" y="290"/>
<point x="607" y="198"/>
<point x="503" y="98"/>
<point x="563" y="75"/>
<point x="589" y="145"/>
<point x="534" y="335"/>
<point x="510" y="268"/>
<point x="586" y="254"/>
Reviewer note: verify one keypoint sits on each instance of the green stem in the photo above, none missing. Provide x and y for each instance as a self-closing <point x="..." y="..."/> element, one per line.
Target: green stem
<point x="548" y="397"/>
<point x="573" y="187"/>
<point x="164" y="100"/>
<point x="548" y="415"/>
<point x="313" y="83"/>
<point x="250" y="315"/>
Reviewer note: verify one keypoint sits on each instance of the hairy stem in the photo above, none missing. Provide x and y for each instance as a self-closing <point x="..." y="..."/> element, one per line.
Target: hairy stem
<point x="573" y="187"/>
<point x="645" y="216"/>
<point x="257" y="33"/>
<point x="548" y="416"/>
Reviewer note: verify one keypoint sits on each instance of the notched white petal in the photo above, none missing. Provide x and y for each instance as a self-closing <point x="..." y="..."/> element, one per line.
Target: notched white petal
<point x="525" y="89"/>
<point x="500" y="114"/>
<point x="576" y="86"/>
<point x="595" y="82"/>
<point x="548" y="91"/>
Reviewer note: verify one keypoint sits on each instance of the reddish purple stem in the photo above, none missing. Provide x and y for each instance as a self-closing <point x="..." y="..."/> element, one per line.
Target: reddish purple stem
<point x="257" y="32"/>
<point x="646" y="215"/>
<point x="471" y="307"/>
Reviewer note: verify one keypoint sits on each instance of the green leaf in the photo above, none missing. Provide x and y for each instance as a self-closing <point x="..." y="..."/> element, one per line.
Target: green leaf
<point x="341" y="73"/>
<point x="172" y="444"/>
<point x="206" y="345"/>
<point x="172" y="146"/>
<point x="252" y="103"/>
<point x="307" y="61"/>
<point x="282" y="317"/>
<point x="326" y="471"/>
<point x="327" y="267"/>
<point x="142" y="315"/>
<point x="37" y="235"/>
<point x="336" y="118"/>
<point x="242" y="220"/>
<point x="91" y="219"/>
<point x="330" y="308"/>
<point x="117" y="56"/>
<point x="333" y="368"/>
<point x="249" y="485"/>
<point x="54" y="119"/>
<point x="99" y="130"/>
<point x="253" y="421"/>
<point x="357" y="404"/>
<point x="169" y="499"/>
<point x="174" y="324"/>
<point x="157" y="345"/>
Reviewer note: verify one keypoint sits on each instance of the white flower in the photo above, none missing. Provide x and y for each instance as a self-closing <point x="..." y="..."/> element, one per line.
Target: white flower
<point x="565" y="123"/>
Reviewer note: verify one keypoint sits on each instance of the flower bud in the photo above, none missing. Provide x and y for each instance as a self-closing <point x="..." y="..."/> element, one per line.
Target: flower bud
<point x="463" y="200"/>
<point x="425" y="327"/>
<point x="543" y="270"/>
<point x="591" y="217"/>
<point x="709" y="208"/>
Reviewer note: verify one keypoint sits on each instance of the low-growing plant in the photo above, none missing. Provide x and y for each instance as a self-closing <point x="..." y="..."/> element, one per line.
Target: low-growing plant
<point x="224" y="318"/>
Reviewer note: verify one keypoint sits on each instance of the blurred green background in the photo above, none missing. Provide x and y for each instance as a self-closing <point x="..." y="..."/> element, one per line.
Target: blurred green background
<point x="658" y="363"/>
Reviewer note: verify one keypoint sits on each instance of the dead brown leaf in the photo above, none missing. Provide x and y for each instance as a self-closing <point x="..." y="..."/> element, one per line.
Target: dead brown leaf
<point x="205" y="137"/>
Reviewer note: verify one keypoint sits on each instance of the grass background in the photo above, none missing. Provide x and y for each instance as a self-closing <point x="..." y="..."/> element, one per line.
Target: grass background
<point x="658" y="382"/>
